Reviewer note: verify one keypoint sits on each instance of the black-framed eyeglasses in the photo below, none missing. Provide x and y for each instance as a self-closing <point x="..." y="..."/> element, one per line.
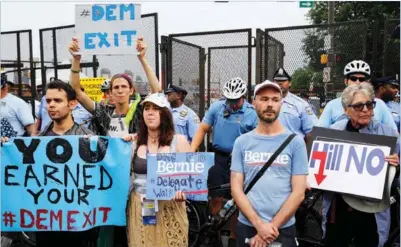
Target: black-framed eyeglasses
<point x="360" y="79"/>
<point x="370" y="105"/>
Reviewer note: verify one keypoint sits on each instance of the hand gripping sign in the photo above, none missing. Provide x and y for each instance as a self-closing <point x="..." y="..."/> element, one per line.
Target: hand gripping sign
<point x="171" y="172"/>
<point x="67" y="183"/>
<point x="349" y="163"/>
<point x="110" y="29"/>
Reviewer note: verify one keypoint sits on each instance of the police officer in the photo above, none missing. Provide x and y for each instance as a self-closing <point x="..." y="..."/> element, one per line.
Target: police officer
<point x="186" y="121"/>
<point x="355" y="72"/>
<point x="305" y="97"/>
<point x="386" y="90"/>
<point x="229" y="117"/>
<point x="295" y="114"/>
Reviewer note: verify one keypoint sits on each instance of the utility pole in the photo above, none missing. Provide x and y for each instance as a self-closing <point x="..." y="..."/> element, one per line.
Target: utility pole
<point x="331" y="54"/>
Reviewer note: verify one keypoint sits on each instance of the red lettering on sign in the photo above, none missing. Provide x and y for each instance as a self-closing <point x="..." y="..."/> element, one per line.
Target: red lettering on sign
<point x="58" y="217"/>
<point x="23" y="213"/>
<point x="70" y="219"/>
<point x="105" y="213"/>
<point x="39" y="219"/>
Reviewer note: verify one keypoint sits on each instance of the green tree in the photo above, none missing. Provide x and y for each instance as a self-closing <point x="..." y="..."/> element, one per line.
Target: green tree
<point x="354" y="40"/>
<point x="303" y="77"/>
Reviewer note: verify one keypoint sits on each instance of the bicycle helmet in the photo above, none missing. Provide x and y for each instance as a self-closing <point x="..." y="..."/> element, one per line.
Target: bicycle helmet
<point x="105" y="86"/>
<point x="234" y="88"/>
<point x="357" y="66"/>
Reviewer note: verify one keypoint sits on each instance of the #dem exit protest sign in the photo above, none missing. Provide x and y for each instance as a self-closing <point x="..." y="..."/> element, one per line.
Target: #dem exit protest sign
<point x="108" y="29"/>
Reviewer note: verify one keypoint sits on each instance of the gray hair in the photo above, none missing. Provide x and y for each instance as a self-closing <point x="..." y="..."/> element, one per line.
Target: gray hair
<point x="348" y="94"/>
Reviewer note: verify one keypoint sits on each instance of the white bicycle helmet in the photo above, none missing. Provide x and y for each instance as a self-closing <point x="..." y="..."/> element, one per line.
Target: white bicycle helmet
<point x="105" y="85"/>
<point x="357" y="66"/>
<point x="234" y="88"/>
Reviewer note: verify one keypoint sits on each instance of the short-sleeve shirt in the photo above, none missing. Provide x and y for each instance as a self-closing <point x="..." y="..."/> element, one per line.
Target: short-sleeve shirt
<point x="251" y="151"/>
<point x="186" y="122"/>
<point x="15" y="114"/>
<point x="227" y="129"/>
<point x="296" y="115"/>
<point x="394" y="108"/>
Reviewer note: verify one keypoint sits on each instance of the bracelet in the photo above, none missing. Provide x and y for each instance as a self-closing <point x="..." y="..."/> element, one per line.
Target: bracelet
<point x="75" y="71"/>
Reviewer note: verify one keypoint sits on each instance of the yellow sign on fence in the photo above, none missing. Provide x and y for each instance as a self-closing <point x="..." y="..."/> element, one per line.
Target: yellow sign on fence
<point x="92" y="87"/>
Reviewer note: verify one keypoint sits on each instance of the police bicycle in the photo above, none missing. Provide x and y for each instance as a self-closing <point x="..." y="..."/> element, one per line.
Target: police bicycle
<point x="204" y="227"/>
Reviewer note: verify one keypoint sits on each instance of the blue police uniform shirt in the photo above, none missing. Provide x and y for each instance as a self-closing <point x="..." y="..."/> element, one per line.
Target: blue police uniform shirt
<point x="296" y="115"/>
<point x="79" y="113"/>
<point x="186" y="122"/>
<point x="313" y="109"/>
<point x="226" y="130"/>
<point x="334" y="111"/>
<point x="15" y="114"/>
<point x="394" y="108"/>
<point x="251" y="151"/>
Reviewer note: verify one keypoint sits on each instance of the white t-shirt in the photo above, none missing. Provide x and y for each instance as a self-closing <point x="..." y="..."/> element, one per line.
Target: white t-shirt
<point x="117" y="127"/>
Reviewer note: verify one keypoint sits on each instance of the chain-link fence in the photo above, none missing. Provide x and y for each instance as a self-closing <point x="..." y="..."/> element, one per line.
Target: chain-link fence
<point x="54" y="42"/>
<point x="315" y="55"/>
<point x="17" y="63"/>
<point x="391" y="49"/>
<point x="202" y="62"/>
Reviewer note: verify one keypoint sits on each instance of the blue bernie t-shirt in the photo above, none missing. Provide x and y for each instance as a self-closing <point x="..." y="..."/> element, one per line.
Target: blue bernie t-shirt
<point x="250" y="153"/>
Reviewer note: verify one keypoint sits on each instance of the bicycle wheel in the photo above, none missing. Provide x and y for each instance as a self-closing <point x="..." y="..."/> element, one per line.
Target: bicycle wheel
<point x="308" y="228"/>
<point x="28" y="238"/>
<point x="195" y="223"/>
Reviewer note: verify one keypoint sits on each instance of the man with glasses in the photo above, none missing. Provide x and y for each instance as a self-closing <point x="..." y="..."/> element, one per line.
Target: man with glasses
<point x="355" y="72"/>
<point x="296" y="115"/>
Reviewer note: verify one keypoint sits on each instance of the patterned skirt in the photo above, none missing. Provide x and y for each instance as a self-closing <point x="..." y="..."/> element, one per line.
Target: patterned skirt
<point x="171" y="229"/>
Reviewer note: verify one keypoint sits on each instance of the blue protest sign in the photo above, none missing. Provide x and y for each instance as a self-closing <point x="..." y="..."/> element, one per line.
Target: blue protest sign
<point x="67" y="183"/>
<point x="108" y="28"/>
<point x="171" y="172"/>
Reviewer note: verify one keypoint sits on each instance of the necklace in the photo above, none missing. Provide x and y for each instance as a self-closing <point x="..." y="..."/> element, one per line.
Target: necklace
<point x="153" y="139"/>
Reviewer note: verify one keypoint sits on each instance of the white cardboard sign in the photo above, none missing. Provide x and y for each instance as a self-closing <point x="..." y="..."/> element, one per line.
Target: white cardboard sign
<point x="348" y="168"/>
<point x="108" y="29"/>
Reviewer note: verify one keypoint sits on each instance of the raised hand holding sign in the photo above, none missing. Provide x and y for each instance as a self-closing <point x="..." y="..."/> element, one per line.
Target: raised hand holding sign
<point x="108" y="28"/>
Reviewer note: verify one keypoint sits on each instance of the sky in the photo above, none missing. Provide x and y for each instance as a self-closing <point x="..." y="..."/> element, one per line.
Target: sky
<point x="174" y="17"/>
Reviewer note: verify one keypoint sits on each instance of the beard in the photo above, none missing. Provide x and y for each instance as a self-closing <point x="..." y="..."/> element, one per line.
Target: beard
<point x="387" y="96"/>
<point x="174" y="103"/>
<point x="60" y="118"/>
<point x="262" y="117"/>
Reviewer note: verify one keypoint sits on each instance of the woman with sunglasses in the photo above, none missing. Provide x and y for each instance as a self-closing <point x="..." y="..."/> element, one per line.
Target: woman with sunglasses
<point x="341" y="222"/>
<point x="355" y="73"/>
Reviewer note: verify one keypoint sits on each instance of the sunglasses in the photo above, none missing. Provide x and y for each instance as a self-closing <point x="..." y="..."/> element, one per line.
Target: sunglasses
<point x="359" y="107"/>
<point x="360" y="79"/>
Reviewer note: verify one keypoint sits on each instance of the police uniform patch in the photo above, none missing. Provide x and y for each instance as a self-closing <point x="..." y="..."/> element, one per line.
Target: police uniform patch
<point x="183" y="113"/>
<point x="308" y="110"/>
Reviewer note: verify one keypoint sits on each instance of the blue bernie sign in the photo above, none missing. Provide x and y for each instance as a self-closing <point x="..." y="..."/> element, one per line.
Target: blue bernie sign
<point x="171" y="172"/>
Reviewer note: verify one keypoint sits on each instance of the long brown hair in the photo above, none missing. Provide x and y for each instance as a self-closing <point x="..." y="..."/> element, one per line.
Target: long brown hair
<point x="166" y="128"/>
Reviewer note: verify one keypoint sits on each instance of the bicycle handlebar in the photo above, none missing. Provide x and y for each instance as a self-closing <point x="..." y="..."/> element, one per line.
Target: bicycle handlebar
<point x="220" y="187"/>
